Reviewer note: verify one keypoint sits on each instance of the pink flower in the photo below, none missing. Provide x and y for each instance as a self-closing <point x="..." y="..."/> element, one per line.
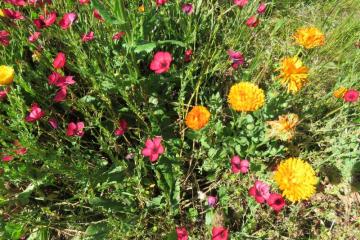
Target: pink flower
<point x="260" y="191"/>
<point x="7" y="158"/>
<point x="16" y="15"/>
<point x="47" y="21"/>
<point x="160" y="2"/>
<point x="236" y="58"/>
<point x="351" y="95"/>
<point x="181" y="233"/>
<point x="276" y="202"/>
<point x="84" y="2"/>
<point x="220" y="233"/>
<point x="153" y="149"/>
<point x="21" y="151"/>
<point x="19" y="3"/>
<point x="123" y="126"/>
<point x="4" y="37"/>
<point x="118" y="36"/>
<point x="161" y="62"/>
<point x="40" y="3"/>
<point x="188" y="54"/>
<point x="33" y="37"/>
<point x="59" y="60"/>
<point x="252" y="21"/>
<point x="212" y="201"/>
<point x="3" y="93"/>
<point x="60" y="81"/>
<point x="97" y="15"/>
<point x="61" y="94"/>
<point x="187" y="8"/>
<point x="35" y="113"/>
<point x="87" y="37"/>
<point x="238" y="165"/>
<point x="75" y="129"/>
<point x="262" y="8"/>
<point x="241" y="3"/>
<point x="67" y="20"/>
<point x="53" y="123"/>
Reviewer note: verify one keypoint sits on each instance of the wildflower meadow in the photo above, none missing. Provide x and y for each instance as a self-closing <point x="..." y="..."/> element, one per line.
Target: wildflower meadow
<point x="179" y="119"/>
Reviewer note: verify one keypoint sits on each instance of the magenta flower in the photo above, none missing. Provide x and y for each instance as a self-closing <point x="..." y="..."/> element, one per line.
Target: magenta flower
<point x="161" y="62"/>
<point x="260" y="191"/>
<point x="35" y="113"/>
<point x="153" y="149"/>
<point x="3" y="93"/>
<point x="75" y="129"/>
<point x="187" y="8"/>
<point x="181" y="233"/>
<point x="97" y="15"/>
<point x="59" y="61"/>
<point x="67" y="20"/>
<point x="262" y="8"/>
<point x="188" y="54"/>
<point x="87" y="37"/>
<point x="47" y="21"/>
<point x="276" y="202"/>
<point x="220" y="233"/>
<point x="118" y="36"/>
<point x="58" y="80"/>
<point x="33" y="37"/>
<point x="241" y="3"/>
<point x="238" y="165"/>
<point x="84" y="2"/>
<point x="21" y="151"/>
<point x="60" y="95"/>
<point x="19" y="3"/>
<point x="252" y="21"/>
<point x="351" y="95"/>
<point x="53" y="123"/>
<point x="7" y="158"/>
<point x="236" y="58"/>
<point x="160" y="2"/>
<point x="123" y="126"/>
<point x="212" y="201"/>
<point x="15" y="15"/>
<point x="4" y="37"/>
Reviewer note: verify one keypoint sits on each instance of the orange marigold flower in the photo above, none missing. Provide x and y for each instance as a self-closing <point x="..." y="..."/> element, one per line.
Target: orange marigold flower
<point x="7" y="74"/>
<point x="296" y="179"/>
<point x="309" y="37"/>
<point x="340" y="92"/>
<point x="197" y="118"/>
<point x="293" y="74"/>
<point x="246" y="97"/>
<point x="284" y="127"/>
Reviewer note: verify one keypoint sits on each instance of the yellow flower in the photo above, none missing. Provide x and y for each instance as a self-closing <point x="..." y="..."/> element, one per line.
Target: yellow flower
<point x="2" y="13"/>
<point x="296" y="179"/>
<point x="293" y="74"/>
<point x="7" y="74"/>
<point x="197" y="118"/>
<point x="141" y="8"/>
<point x="284" y="128"/>
<point x="245" y="97"/>
<point x="309" y="37"/>
<point x="340" y="92"/>
<point x="36" y="56"/>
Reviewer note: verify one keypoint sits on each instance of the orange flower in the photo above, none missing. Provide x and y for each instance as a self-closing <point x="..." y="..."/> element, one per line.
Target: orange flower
<point x="284" y="128"/>
<point x="141" y="8"/>
<point x="340" y="92"/>
<point x="309" y="37"/>
<point x="197" y="118"/>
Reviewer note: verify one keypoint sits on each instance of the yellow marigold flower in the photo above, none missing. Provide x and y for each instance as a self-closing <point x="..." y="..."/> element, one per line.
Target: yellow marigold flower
<point x="245" y="97"/>
<point x="284" y="127"/>
<point x="197" y="118"/>
<point x="340" y="92"/>
<point x="296" y="179"/>
<point x="7" y="74"/>
<point x="141" y="8"/>
<point x="309" y="37"/>
<point x="2" y="13"/>
<point x="293" y="74"/>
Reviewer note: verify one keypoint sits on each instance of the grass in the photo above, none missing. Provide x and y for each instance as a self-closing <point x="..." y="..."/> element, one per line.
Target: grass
<point x="99" y="186"/>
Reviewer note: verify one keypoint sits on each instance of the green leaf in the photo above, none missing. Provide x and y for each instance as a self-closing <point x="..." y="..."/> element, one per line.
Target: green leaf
<point x="175" y="42"/>
<point x="147" y="47"/>
<point x="13" y="230"/>
<point x="97" y="231"/>
<point x="39" y="234"/>
<point x="105" y="13"/>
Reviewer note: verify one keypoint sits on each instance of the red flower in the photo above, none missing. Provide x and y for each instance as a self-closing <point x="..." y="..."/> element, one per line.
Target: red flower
<point x="58" y="80"/>
<point x="97" y="15"/>
<point x="238" y="165"/>
<point x="38" y="3"/>
<point x="67" y="20"/>
<point x="220" y="233"/>
<point x="188" y="54"/>
<point x="61" y="94"/>
<point x="33" y="37"/>
<point x="276" y="202"/>
<point x="153" y="149"/>
<point x="123" y="126"/>
<point x="3" y="93"/>
<point x="75" y="129"/>
<point x="19" y="3"/>
<point x="59" y="60"/>
<point x="16" y="15"/>
<point x="262" y="8"/>
<point x="84" y="1"/>
<point x="118" y="36"/>
<point x="53" y="123"/>
<point x="260" y="191"/>
<point x="161" y="62"/>
<point x="35" y="113"/>
<point x="236" y="58"/>
<point x="160" y="2"/>
<point x="351" y="95"/>
<point x="241" y="3"/>
<point x="181" y="233"/>
<point x="87" y="37"/>
<point x="187" y="8"/>
<point x="7" y="158"/>
<point x="4" y="37"/>
<point x="253" y="21"/>
<point x="47" y="21"/>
